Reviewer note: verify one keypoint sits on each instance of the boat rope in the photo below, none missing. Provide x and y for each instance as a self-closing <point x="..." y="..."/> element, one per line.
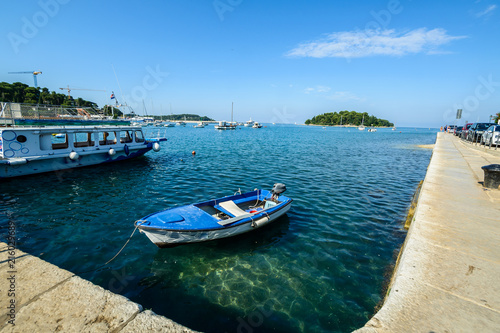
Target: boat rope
<point x="128" y="240"/>
<point x="116" y="255"/>
<point x="257" y="202"/>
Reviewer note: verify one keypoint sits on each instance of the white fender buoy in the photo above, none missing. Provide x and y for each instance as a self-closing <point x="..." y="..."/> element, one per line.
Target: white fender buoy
<point x="74" y="155"/>
<point x="111" y="152"/>
<point x="156" y="147"/>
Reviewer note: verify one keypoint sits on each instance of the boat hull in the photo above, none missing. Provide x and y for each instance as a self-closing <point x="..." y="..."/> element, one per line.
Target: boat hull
<point x="30" y="166"/>
<point x="224" y="128"/>
<point x="172" y="238"/>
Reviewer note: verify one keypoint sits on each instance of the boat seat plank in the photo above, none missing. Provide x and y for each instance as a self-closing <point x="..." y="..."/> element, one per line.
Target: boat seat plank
<point x="232" y="208"/>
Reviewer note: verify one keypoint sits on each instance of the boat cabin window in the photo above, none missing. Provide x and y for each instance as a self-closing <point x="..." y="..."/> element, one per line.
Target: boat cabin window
<point x="21" y="138"/>
<point x="125" y="136"/>
<point x="49" y="141"/>
<point x="83" y="140"/>
<point x="107" y="138"/>
<point x="139" y="137"/>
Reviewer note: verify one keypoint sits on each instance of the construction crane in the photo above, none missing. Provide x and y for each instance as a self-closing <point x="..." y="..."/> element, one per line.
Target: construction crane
<point x="69" y="90"/>
<point x="35" y="73"/>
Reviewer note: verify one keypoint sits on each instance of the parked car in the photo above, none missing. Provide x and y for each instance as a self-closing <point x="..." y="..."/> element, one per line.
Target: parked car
<point x="492" y="135"/>
<point x="465" y="130"/>
<point x="458" y="131"/>
<point x="476" y="131"/>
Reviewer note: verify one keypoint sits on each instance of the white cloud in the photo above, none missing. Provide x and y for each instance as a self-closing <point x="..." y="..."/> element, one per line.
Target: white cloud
<point x="338" y="95"/>
<point x="344" y="96"/>
<point x="488" y="10"/>
<point x="317" y="89"/>
<point x="357" y="44"/>
<point x="322" y="89"/>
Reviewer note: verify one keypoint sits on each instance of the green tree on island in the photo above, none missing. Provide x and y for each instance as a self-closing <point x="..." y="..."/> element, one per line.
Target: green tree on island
<point x="348" y="118"/>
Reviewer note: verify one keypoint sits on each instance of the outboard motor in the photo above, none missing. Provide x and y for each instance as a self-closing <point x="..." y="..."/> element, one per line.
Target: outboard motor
<point x="278" y="188"/>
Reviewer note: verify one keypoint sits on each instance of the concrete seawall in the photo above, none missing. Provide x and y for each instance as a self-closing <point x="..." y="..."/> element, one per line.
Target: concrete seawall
<point x="36" y="296"/>
<point x="448" y="276"/>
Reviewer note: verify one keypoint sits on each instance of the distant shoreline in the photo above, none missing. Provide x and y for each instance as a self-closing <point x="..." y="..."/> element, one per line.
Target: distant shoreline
<point x="350" y="126"/>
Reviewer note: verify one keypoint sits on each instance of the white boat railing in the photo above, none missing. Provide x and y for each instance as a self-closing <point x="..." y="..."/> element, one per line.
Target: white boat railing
<point x="10" y="112"/>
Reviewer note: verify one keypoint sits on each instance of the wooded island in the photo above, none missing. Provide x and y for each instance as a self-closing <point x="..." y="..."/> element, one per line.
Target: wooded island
<point x="348" y="118"/>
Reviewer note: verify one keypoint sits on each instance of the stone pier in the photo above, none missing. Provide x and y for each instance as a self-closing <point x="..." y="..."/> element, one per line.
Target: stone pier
<point x="448" y="276"/>
<point x="36" y="296"/>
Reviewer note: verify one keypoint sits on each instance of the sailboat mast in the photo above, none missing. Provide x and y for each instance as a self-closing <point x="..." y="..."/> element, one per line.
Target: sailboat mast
<point x="232" y="104"/>
<point x="144" y="107"/>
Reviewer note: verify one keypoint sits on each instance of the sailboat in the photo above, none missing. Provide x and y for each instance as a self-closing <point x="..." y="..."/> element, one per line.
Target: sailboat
<point x="223" y="125"/>
<point x="362" y="127"/>
<point x="341" y="121"/>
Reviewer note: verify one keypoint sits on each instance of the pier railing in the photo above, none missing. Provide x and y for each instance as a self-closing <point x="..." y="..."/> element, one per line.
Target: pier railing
<point x="19" y="113"/>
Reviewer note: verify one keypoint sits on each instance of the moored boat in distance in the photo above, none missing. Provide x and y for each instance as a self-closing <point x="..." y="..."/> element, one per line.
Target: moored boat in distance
<point x="249" y="123"/>
<point x="362" y="126"/>
<point x="224" y="125"/>
<point x="31" y="150"/>
<point x="200" y="125"/>
<point x="215" y="219"/>
<point x="257" y="125"/>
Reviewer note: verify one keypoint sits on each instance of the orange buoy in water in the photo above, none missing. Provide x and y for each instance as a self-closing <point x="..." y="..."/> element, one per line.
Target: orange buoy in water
<point x="194" y="153"/>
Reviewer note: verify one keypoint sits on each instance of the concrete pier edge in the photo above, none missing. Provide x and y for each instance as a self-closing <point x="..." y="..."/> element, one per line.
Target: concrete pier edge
<point x="36" y="296"/>
<point x="446" y="277"/>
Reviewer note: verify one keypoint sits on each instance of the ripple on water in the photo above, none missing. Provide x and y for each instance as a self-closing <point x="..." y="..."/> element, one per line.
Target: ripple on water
<point x="320" y="268"/>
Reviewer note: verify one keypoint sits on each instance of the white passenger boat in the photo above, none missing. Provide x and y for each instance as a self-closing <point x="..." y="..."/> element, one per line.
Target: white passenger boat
<point x="249" y="123"/>
<point x="200" y="125"/>
<point x="257" y="125"/>
<point x="224" y="125"/>
<point x="215" y="219"/>
<point x="30" y="150"/>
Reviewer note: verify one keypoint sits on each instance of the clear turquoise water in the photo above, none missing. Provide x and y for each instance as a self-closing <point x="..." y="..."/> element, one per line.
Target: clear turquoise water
<point x="321" y="268"/>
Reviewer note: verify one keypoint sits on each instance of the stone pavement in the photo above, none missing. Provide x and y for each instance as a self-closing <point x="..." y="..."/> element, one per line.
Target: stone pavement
<point x="448" y="276"/>
<point x="36" y="296"/>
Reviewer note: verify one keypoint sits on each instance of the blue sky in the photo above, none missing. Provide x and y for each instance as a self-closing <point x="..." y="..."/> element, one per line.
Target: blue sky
<point x="411" y="62"/>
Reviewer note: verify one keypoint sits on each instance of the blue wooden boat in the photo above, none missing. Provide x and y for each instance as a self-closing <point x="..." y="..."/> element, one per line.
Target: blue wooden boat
<point x="215" y="219"/>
